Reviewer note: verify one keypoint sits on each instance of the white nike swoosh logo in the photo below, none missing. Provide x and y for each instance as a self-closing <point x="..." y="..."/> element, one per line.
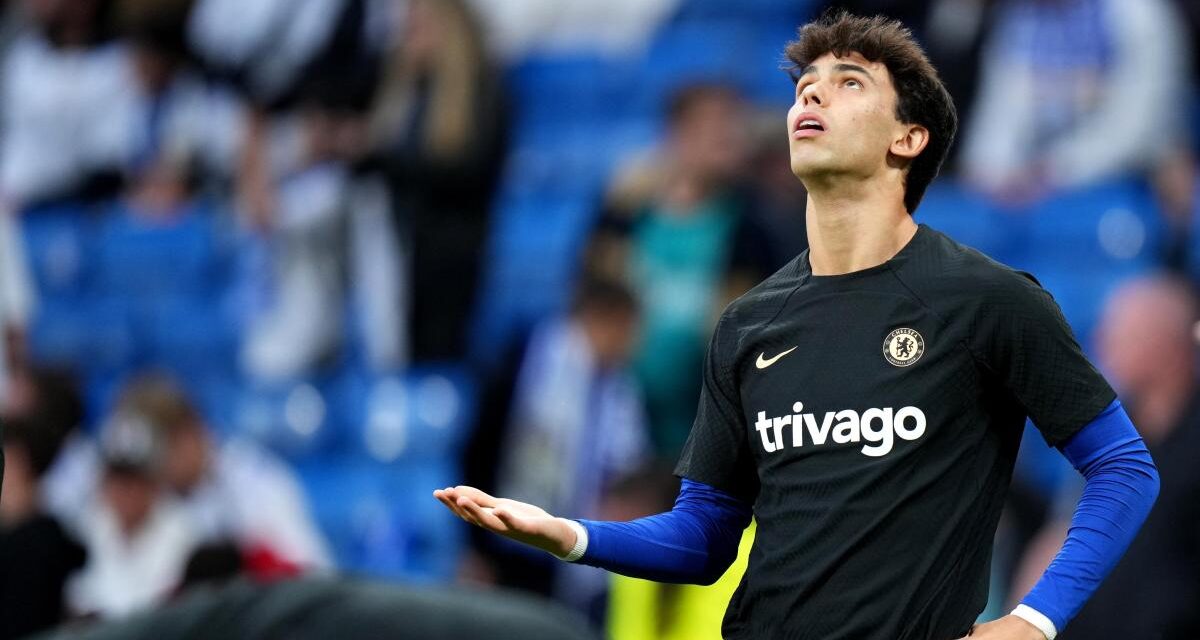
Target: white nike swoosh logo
<point x="763" y="363"/>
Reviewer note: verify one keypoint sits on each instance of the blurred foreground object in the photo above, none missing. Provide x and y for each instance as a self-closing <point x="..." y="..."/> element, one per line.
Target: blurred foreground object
<point x="347" y="610"/>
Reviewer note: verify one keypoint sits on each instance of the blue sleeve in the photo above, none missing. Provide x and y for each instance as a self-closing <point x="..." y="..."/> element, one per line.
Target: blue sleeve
<point x="1121" y="483"/>
<point x="694" y="543"/>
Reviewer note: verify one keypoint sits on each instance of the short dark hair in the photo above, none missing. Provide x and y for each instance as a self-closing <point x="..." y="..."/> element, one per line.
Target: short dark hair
<point x="921" y="97"/>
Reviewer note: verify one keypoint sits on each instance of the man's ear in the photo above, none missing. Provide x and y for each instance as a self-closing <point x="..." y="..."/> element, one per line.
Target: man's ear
<point x="911" y="143"/>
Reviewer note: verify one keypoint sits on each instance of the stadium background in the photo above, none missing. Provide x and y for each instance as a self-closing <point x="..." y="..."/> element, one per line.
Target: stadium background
<point x="372" y="311"/>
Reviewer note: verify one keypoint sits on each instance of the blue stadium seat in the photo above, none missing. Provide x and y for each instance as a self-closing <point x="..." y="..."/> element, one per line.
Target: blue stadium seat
<point x="187" y="334"/>
<point x="382" y="520"/>
<point x="293" y="418"/>
<point x="967" y="218"/>
<point x="789" y="11"/>
<point x="1105" y="226"/>
<point x="421" y="416"/>
<point x="90" y="332"/>
<point x="141" y="258"/>
<point x="60" y="248"/>
<point x="534" y="253"/>
<point x="685" y="53"/>
<point x="582" y="89"/>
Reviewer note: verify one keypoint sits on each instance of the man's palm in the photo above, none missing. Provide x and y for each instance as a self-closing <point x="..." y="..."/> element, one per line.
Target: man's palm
<point x="519" y="521"/>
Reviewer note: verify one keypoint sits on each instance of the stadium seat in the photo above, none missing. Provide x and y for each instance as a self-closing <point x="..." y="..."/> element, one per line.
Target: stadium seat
<point x="92" y="332"/>
<point x="421" y="416"/>
<point x="60" y="247"/>
<point x="967" y="218"/>
<point x="141" y="258"/>
<point x="382" y="520"/>
<point x="1106" y="225"/>
<point x="291" y="418"/>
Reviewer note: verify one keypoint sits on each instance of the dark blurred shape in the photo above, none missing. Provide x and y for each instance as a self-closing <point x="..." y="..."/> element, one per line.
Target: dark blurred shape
<point x="318" y="609"/>
<point x="439" y="130"/>
<point x="782" y="199"/>
<point x="49" y="400"/>
<point x="36" y="554"/>
<point x="214" y="563"/>
<point x="644" y="491"/>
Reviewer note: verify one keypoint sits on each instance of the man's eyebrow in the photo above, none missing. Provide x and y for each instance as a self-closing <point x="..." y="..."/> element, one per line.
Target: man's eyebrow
<point x="843" y="66"/>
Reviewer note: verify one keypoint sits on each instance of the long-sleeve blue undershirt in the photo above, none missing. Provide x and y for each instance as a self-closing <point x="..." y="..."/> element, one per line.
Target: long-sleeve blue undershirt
<point x="697" y="540"/>
<point x="1121" y="483"/>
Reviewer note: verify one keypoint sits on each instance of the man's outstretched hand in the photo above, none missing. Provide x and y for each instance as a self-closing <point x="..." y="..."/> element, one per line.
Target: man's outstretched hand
<point x="516" y="520"/>
<point x="1009" y="627"/>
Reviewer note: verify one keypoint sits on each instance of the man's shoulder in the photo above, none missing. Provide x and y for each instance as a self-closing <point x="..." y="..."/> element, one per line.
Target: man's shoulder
<point x="948" y="274"/>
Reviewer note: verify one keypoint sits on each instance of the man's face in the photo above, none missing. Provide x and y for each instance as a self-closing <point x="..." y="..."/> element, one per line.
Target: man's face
<point x="844" y="118"/>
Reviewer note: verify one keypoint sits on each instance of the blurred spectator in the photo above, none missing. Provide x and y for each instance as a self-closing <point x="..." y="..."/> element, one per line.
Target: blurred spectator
<point x="577" y="422"/>
<point x="294" y="191"/>
<point x="137" y="538"/>
<point x="268" y="47"/>
<point x="16" y="303"/>
<point x="1148" y="349"/>
<point x="328" y="226"/>
<point x="183" y="124"/>
<point x="67" y="104"/>
<point x="233" y="490"/>
<point x="1076" y="91"/>
<point x="36" y="554"/>
<point x="782" y="199"/>
<point x="680" y="227"/>
<point x="439" y="131"/>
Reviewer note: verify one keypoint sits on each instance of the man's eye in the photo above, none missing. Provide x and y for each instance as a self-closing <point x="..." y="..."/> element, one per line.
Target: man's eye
<point x="854" y="84"/>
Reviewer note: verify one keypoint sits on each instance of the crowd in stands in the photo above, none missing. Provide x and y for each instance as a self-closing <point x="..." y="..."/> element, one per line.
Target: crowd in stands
<point x="272" y="271"/>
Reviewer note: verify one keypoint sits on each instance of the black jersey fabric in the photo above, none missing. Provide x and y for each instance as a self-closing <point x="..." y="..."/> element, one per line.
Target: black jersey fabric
<point x="911" y="382"/>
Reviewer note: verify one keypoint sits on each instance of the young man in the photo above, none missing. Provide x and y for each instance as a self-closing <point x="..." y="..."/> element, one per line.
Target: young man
<point x="866" y="402"/>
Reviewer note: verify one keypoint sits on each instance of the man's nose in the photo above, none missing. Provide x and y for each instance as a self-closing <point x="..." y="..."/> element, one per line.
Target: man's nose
<point x="812" y="94"/>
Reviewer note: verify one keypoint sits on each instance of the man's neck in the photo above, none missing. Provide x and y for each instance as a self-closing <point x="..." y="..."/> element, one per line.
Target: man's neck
<point x="854" y="229"/>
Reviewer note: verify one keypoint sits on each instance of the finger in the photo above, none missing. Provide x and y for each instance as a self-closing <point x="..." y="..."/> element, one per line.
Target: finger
<point x="482" y="517"/>
<point x="510" y="519"/>
<point x="451" y="501"/>
<point x="478" y="497"/>
<point x="444" y="498"/>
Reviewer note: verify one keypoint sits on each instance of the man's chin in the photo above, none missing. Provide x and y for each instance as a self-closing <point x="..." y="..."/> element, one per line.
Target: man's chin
<point x="811" y="168"/>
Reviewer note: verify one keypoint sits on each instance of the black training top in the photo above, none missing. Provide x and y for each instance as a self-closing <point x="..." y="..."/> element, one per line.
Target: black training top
<point x="873" y="419"/>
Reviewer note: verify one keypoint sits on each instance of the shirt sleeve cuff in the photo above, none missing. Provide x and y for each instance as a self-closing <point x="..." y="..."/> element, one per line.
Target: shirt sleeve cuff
<point x="581" y="542"/>
<point x="1037" y="619"/>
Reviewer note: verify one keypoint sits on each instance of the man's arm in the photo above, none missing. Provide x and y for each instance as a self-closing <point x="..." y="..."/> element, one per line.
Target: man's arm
<point x="1121" y="483"/>
<point x="695" y="542"/>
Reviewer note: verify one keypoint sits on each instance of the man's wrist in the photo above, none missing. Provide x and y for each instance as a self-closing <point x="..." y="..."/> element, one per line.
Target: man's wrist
<point x="1037" y="619"/>
<point x="581" y="541"/>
